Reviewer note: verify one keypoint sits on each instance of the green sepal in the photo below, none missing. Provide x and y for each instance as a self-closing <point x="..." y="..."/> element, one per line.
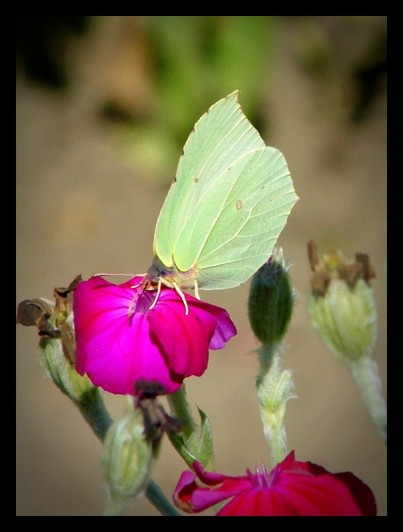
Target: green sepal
<point x="127" y="459"/>
<point x="61" y="369"/>
<point x="198" y="446"/>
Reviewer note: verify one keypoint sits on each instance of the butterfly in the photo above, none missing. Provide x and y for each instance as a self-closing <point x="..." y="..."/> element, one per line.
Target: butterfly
<point x="226" y="206"/>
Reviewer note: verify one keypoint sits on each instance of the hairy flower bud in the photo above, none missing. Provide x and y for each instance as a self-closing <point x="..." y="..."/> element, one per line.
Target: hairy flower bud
<point x="342" y="305"/>
<point x="270" y="300"/>
<point x="342" y="308"/>
<point x="127" y="460"/>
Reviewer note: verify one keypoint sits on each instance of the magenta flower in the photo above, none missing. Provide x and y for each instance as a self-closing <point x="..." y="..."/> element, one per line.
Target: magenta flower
<point x="291" y="488"/>
<point x="120" y="341"/>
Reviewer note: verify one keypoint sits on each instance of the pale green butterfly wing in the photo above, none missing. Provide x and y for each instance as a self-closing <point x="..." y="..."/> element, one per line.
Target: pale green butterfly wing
<point x="229" y="203"/>
<point x="249" y="223"/>
<point x="218" y="139"/>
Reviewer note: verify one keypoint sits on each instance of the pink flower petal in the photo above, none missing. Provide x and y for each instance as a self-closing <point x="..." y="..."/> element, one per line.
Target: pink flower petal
<point x="257" y="503"/>
<point x="211" y="478"/>
<point x="121" y="341"/>
<point x="317" y="495"/>
<point x="361" y="493"/>
<point x="292" y="488"/>
<point x="114" y="348"/>
<point x="191" y="497"/>
<point x="183" y="338"/>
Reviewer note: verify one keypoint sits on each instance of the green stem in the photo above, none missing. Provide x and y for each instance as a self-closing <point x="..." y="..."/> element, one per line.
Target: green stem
<point x="92" y="407"/>
<point x="180" y="409"/>
<point x="158" y="499"/>
<point x="365" y="374"/>
<point x="192" y="442"/>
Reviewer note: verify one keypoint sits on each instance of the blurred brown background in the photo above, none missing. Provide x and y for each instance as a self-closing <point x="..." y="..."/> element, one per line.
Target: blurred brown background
<point x="104" y="106"/>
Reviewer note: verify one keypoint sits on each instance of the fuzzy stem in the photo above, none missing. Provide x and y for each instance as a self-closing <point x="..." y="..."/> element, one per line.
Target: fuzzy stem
<point x="275" y="387"/>
<point x="365" y="374"/>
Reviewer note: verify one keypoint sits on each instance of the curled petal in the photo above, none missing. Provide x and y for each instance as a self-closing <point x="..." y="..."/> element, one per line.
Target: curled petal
<point x="190" y="496"/>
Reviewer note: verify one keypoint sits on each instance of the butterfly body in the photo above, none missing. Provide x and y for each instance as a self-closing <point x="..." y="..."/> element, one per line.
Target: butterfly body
<point x="158" y="272"/>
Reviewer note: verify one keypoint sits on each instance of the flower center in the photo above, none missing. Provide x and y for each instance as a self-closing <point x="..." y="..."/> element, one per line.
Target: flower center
<point x="261" y="478"/>
<point x="142" y="301"/>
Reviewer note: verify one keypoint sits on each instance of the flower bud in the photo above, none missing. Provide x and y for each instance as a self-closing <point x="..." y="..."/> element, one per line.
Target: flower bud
<point x="62" y="371"/>
<point x="127" y="460"/>
<point x="342" y="305"/>
<point x="57" y="346"/>
<point x="270" y="300"/>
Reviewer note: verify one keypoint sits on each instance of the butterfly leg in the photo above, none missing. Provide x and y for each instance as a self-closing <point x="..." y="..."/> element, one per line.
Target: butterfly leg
<point x="196" y="289"/>
<point x="182" y="296"/>
<point x="177" y="290"/>
<point x="157" y="295"/>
